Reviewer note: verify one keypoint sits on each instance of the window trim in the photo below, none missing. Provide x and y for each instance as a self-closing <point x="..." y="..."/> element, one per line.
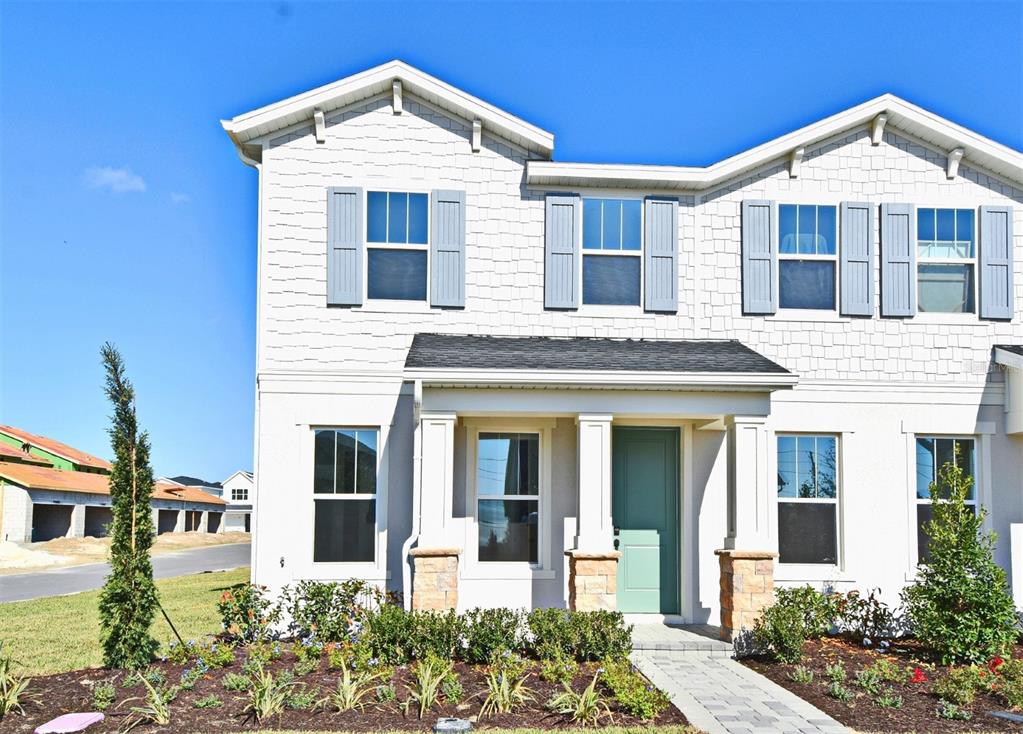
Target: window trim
<point x="375" y="570"/>
<point x="916" y="501"/>
<point x="796" y="256"/>
<point x="398" y="246"/>
<point x="584" y="252"/>
<point x="971" y="261"/>
<point x="814" y="569"/>
<point x="476" y="569"/>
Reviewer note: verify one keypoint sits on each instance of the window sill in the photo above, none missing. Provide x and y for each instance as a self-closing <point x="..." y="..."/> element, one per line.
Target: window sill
<point x="802" y="572"/>
<point x="506" y="572"/>
<point x="380" y="305"/>
<point x="332" y="571"/>
<point x="803" y="314"/>
<point x="613" y="312"/>
<point x="948" y="319"/>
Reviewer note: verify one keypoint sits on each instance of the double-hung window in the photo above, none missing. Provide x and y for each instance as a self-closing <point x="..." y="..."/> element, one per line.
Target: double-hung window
<point x="397" y="227"/>
<point x="344" y="495"/>
<point x="945" y="260"/>
<point x="612" y="251"/>
<point x="239" y="494"/>
<point x="932" y="454"/>
<point x="807" y="248"/>
<point x="508" y="496"/>
<point x="808" y="499"/>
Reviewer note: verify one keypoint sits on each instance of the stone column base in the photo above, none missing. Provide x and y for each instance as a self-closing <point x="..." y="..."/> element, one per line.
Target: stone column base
<point x="435" y="578"/>
<point x="747" y="588"/>
<point x="592" y="580"/>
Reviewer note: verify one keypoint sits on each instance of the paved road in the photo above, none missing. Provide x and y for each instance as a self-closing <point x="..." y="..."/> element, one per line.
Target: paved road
<point x="71" y="580"/>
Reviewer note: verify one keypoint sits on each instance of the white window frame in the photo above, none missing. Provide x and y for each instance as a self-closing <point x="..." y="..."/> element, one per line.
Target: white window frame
<point x="815" y="257"/>
<point x="404" y="246"/>
<point x="972" y="261"/>
<point x="476" y="569"/>
<point x="332" y="570"/>
<point x="584" y="252"/>
<point x="828" y="568"/>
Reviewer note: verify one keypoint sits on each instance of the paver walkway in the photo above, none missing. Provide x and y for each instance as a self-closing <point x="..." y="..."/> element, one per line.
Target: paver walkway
<point x="717" y="693"/>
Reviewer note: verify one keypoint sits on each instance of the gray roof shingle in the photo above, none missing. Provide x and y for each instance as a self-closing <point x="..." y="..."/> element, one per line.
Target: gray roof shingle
<point x="454" y="351"/>
<point x="1014" y="348"/>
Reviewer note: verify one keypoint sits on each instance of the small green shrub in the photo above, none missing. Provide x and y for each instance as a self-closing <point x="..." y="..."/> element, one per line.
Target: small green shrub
<point x="560" y="669"/>
<point x="216" y="655"/>
<point x="1009" y="683"/>
<point x="325" y="610"/>
<point x="386" y="693"/>
<point x="551" y="634"/>
<point x="268" y="696"/>
<point x="178" y="654"/>
<point x="960" y="607"/>
<point x="103" y="695"/>
<point x="801" y="674"/>
<point x="308" y="650"/>
<point x="389" y="634"/>
<point x="865" y="618"/>
<point x="948" y="710"/>
<point x="797" y="615"/>
<point x="302" y="697"/>
<point x="261" y="653"/>
<point x="452" y="689"/>
<point x="601" y="635"/>
<point x="504" y="693"/>
<point x="207" y="702"/>
<point x="839" y="692"/>
<point x="633" y="692"/>
<point x="236" y="682"/>
<point x="835" y="672"/>
<point x="352" y="689"/>
<point x="869" y="681"/>
<point x="586" y="708"/>
<point x="489" y="631"/>
<point x="889" y="671"/>
<point x="959" y="685"/>
<point x="305" y="666"/>
<point x="888" y="699"/>
<point x="248" y="613"/>
<point x="190" y="676"/>
<point x="436" y="633"/>
<point x="427" y="678"/>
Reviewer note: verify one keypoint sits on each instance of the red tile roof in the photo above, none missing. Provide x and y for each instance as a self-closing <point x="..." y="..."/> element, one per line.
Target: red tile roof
<point x="56" y="447"/>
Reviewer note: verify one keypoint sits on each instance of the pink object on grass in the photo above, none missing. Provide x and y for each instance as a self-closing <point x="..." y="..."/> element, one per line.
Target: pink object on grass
<point x="69" y="723"/>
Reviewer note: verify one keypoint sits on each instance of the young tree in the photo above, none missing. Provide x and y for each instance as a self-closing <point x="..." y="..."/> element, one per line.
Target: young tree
<point x="960" y="606"/>
<point x="128" y="602"/>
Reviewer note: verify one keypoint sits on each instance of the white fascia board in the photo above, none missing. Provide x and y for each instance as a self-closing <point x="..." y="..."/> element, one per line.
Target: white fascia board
<point x="347" y="91"/>
<point x="610" y="379"/>
<point x="1008" y="359"/>
<point x="928" y="126"/>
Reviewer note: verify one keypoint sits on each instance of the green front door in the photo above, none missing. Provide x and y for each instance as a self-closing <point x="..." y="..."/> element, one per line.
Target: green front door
<point x="644" y="482"/>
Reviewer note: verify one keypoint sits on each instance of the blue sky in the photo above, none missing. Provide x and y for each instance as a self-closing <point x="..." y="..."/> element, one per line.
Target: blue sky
<point x="126" y="216"/>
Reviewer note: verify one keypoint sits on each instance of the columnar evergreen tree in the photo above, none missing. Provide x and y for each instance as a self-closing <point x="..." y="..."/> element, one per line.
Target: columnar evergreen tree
<point x="128" y="602"/>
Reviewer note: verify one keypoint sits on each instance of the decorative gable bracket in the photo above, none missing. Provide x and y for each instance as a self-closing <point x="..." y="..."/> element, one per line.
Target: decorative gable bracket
<point x="795" y="158"/>
<point x="320" y="123"/>
<point x="954" y="156"/>
<point x="477" y="135"/>
<point x="396" y="96"/>
<point x="877" y="129"/>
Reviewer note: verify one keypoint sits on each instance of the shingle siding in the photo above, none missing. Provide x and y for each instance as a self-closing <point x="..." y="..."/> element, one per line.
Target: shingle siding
<point x="425" y="149"/>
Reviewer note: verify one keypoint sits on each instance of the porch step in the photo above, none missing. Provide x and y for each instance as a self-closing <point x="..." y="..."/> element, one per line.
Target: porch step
<point x="701" y="638"/>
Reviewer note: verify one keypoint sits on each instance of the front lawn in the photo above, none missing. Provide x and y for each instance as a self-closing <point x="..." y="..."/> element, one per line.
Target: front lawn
<point x="61" y="633"/>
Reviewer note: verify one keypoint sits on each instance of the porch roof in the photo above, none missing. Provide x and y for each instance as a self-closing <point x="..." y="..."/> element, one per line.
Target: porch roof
<point x="476" y="359"/>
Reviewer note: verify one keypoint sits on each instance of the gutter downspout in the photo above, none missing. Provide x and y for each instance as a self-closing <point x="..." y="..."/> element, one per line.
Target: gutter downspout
<point x="417" y="491"/>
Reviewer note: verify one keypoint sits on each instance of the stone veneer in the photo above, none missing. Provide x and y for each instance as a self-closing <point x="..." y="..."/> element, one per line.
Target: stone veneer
<point x="592" y="580"/>
<point x="435" y="581"/>
<point x="747" y="588"/>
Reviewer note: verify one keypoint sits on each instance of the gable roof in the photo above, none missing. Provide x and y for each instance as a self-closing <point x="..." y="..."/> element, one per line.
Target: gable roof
<point x="57" y="448"/>
<point x="41" y="477"/>
<point x="247" y="475"/>
<point x="928" y="127"/>
<point x="247" y="127"/>
<point x="10" y="453"/>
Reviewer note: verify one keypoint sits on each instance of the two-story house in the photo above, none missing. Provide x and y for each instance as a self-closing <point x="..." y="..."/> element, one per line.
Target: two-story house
<point x="486" y="377"/>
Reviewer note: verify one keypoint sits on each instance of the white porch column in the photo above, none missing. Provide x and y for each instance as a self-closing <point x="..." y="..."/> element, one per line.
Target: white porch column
<point x="594" y="533"/>
<point x="748" y="484"/>
<point x="437" y="479"/>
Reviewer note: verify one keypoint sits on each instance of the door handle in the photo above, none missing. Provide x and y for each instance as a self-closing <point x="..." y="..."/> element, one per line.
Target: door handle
<point x="616" y="543"/>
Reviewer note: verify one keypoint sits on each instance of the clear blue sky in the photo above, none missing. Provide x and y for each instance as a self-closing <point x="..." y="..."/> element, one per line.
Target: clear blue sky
<point x="126" y="215"/>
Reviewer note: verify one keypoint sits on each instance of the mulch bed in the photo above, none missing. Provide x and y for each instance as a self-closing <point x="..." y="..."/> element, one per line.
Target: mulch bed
<point x="917" y="713"/>
<point x="54" y="695"/>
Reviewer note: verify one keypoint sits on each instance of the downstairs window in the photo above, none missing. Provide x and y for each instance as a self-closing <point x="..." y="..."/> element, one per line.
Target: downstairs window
<point x="808" y="499"/>
<point x="508" y="496"/>
<point x="344" y="495"/>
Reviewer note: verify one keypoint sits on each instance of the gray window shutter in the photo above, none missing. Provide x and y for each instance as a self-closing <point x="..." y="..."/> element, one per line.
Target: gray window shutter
<point x="856" y="259"/>
<point x="447" y="249"/>
<point x="562" y="244"/>
<point x="898" y="259"/>
<point x="345" y="238"/>
<point x="996" y="293"/>
<point x="660" y="255"/>
<point x="759" y="257"/>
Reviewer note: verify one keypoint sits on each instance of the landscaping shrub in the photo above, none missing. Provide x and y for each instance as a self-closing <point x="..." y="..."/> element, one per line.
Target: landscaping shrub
<point x="389" y="632"/>
<point x="960" y="685"/>
<point x="436" y="633"/>
<point x="490" y="631"/>
<point x="328" y="610"/>
<point x="103" y="695"/>
<point x="797" y="615"/>
<point x="864" y="618"/>
<point x="959" y="606"/>
<point x="427" y="678"/>
<point x="586" y="708"/>
<point x="247" y="612"/>
<point x="801" y="674"/>
<point x="352" y="689"/>
<point x="551" y="634"/>
<point x="208" y="702"/>
<point x="505" y="691"/>
<point x="948" y="710"/>
<point x="1009" y="683"/>
<point x="632" y="692"/>
<point x="268" y="695"/>
<point x="560" y="669"/>
<point x="890" y="671"/>
<point x="601" y="635"/>
<point x="157" y="706"/>
<point x="236" y="682"/>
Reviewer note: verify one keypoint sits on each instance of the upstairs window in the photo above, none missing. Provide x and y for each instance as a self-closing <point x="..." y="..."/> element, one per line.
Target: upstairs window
<point x="945" y="260"/>
<point x="932" y="453"/>
<point x="397" y="226"/>
<point x="808" y="499"/>
<point x="612" y="251"/>
<point x="239" y="494"/>
<point x="807" y="248"/>
<point x="344" y="495"/>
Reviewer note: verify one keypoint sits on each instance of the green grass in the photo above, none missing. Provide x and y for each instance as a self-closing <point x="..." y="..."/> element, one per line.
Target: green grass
<point x="61" y="633"/>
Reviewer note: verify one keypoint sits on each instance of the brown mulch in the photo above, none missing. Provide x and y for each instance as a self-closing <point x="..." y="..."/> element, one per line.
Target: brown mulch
<point x="53" y="695"/>
<point x="917" y="713"/>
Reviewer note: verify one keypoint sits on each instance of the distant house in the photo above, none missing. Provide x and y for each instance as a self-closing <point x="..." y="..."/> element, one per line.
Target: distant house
<point x="240" y="497"/>
<point x="183" y="480"/>
<point x="51" y="490"/>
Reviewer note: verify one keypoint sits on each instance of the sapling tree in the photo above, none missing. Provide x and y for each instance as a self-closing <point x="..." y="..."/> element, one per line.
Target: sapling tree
<point x="960" y="606"/>
<point x="128" y="602"/>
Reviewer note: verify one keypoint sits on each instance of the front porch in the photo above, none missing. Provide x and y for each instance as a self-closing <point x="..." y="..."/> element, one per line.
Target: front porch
<point x="593" y="489"/>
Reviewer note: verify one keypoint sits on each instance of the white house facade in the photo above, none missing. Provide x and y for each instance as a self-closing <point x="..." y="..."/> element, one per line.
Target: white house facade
<point x="240" y="497"/>
<point x="485" y="377"/>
